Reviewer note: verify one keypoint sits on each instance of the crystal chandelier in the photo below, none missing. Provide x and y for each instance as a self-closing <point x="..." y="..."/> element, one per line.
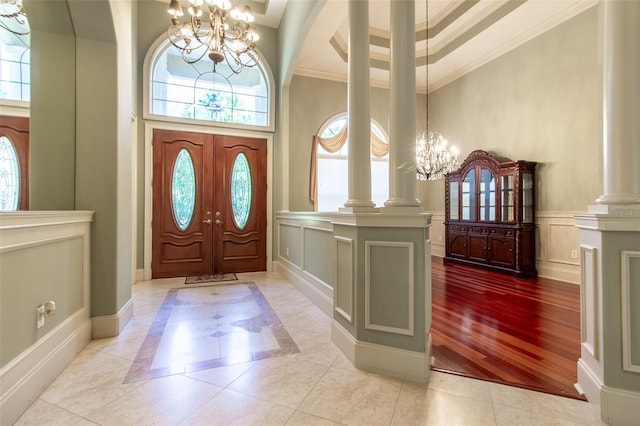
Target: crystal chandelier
<point x="433" y="158"/>
<point x="194" y="38"/>
<point x="13" y="18"/>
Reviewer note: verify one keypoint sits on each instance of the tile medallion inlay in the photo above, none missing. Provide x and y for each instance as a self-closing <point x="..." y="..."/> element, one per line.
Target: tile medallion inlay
<point x="208" y="327"/>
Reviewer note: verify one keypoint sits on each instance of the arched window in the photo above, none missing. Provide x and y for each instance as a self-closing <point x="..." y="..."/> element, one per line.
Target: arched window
<point x="332" y="167"/>
<point x="15" y="63"/>
<point x="198" y="92"/>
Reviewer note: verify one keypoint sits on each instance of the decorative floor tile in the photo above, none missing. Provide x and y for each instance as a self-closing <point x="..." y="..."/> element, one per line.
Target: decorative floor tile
<point x="209" y="327"/>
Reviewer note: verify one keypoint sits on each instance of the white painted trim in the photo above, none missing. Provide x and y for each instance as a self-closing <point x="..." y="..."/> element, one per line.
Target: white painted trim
<point x="11" y="108"/>
<point x="395" y="362"/>
<point x="27" y="375"/>
<point x="314" y="289"/>
<point x="620" y="406"/>
<point x="112" y="325"/>
<point x="593" y="347"/>
<point x="139" y="275"/>
<point x="589" y="382"/>
<point x="348" y="315"/>
<point x="368" y="244"/>
<point x="34" y="218"/>
<point x="626" y="308"/>
<point x="383" y="219"/>
<point x="149" y="127"/>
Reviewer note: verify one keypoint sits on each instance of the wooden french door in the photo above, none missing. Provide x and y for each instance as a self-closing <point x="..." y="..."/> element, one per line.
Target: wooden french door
<point x="209" y="204"/>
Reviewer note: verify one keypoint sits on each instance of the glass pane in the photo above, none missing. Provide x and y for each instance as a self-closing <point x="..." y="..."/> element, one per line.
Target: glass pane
<point x="9" y="175"/>
<point x="487" y="195"/>
<point x="194" y="91"/>
<point x="241" y="190"/>
<point x="506" y="198"/>
<point x="527" y="197"/>
<point x="454" y="202"/>
<point x="468" y="196"/>
<point x="183" y="189"/>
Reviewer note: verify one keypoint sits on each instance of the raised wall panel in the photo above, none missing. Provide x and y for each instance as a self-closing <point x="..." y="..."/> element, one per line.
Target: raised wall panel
<point x="589" y="301"/>
<point x="389" y="292"/>
<point x="630" y="300"/>
<point x="343" y="277"/>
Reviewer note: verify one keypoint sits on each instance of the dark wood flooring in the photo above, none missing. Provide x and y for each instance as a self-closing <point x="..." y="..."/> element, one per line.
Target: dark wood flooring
<point x="491" y="326"/>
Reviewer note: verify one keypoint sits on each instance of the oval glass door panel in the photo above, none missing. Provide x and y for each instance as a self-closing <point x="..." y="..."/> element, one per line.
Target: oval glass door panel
<point x="241" y="190"/>
<point x="9" y="175"/>
<point x="183" y="189"/>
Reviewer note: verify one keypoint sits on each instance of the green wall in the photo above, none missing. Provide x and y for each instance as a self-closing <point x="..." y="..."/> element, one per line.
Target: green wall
<point x="53" y="95"/>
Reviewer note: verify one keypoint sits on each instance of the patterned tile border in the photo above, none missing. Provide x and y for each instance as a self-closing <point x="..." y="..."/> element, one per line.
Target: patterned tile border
<point x="141" y="367"/>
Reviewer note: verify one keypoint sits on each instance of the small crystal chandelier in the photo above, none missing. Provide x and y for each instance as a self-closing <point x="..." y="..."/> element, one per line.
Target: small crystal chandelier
<point x="433" y="158"/>
<point x="13" y="18"/>
<point x="194" y="38"/>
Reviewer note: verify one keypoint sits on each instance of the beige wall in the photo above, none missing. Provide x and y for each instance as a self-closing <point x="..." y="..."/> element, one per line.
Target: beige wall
<point x="539" y="102"/>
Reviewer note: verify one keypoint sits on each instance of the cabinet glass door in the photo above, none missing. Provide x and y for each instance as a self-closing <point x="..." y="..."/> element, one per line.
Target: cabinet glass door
<point x="454" y="202"/>
<point x="527" y="197"/>
<point x="487" y="195"/>
<point x="468" y="196"/>
<point x="506" y="198"/>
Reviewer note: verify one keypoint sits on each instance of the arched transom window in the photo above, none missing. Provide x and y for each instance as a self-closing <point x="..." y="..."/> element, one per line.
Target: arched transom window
<point x="15" y="63"/>
<point x="332" y="172"/>
<point x="198" y="92"/>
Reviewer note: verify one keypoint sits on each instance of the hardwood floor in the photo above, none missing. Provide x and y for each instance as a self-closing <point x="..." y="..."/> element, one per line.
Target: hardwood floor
<point x="490" y="326"/>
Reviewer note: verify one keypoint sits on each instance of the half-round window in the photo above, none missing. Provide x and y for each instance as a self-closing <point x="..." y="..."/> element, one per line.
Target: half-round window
<point x="203" y="93"/>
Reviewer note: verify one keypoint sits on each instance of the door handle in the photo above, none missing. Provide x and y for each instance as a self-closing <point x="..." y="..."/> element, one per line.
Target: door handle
<point x="207" y="221"/>
<point x="218" y="222"/>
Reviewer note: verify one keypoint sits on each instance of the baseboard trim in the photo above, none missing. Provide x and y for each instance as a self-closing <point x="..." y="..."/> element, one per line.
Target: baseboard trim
<point x="112" y="325"/>
<point x="26" y="376"/>
<point x="307" y="285"/>
<point x="394" y="362"/>
<point x="560" y="272"/>
<point x="614" y="406"/>
<point x="139" y="275"/>
<point x="620" y="406"/>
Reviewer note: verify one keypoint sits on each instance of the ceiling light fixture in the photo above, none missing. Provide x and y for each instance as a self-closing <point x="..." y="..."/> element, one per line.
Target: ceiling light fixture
<point x="433" y="159"/>
<point x="13" y="18"/>
<point x="194" y="38"/>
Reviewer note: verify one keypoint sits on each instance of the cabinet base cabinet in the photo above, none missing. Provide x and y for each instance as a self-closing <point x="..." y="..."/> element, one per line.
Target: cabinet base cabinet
<point x="493" y="248"/>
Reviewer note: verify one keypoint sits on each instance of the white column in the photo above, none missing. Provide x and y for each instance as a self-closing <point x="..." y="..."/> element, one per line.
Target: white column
<point x="358" y="107"/>
<point x="620" y="32"/>
<point x="402" y="120"/>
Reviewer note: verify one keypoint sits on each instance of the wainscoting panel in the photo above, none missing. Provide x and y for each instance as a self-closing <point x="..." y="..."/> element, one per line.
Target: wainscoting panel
<point x="557" y="246"/>
<point x="44" y="256"/>
<point x="343" y="277"/>
<point x="589" y="301"/>
<point x="389" y="292"/>
<point x="630" y="301"/>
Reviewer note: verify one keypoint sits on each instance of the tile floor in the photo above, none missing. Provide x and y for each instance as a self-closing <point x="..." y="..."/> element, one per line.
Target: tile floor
<point x="312" y="384"/>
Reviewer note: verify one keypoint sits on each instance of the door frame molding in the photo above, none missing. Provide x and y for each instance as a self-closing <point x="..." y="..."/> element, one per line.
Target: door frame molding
<point x="149" y="127"/>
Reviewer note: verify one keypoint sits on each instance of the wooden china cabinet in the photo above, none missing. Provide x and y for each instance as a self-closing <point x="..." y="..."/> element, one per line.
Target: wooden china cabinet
<point x="490" y="214"/>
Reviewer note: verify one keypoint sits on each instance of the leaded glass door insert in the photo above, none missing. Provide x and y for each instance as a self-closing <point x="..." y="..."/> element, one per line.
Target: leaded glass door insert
<point x="9" y="175"/>
<point x="240" y="190"/>
<point x="183" y="189"/>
